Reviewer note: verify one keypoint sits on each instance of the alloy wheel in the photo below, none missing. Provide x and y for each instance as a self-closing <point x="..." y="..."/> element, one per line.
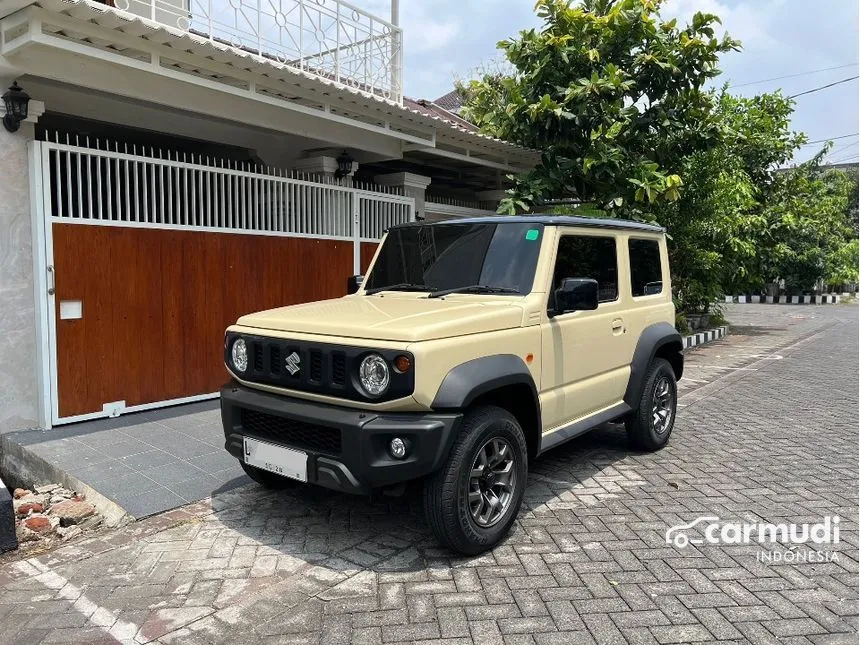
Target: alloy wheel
<point x="492" y="482"/>
<point x="663" y="406"/>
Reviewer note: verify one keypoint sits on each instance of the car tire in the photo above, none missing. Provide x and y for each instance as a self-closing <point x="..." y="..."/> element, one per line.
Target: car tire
<point x="650" y="424"/>
<point x="265" y="478"/>
<point x="470" y="513"/>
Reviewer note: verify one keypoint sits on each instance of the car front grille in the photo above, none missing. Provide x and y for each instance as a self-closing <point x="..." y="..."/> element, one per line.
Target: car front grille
<point x="291" y="432"/>
<point x="317" y="368"/>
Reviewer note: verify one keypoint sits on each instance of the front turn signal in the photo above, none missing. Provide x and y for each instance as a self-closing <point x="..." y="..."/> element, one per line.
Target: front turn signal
<point x="402" y="364"/>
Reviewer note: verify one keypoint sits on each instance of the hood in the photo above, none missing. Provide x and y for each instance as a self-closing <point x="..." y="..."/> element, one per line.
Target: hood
<point x="393" y="317"/>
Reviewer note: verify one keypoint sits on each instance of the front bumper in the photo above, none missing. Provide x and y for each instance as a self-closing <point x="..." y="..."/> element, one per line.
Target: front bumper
<point x="354" y="456"/>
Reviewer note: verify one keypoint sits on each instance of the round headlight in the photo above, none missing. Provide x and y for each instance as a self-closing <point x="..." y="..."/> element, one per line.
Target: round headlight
<point x="239" y="354"/>
<point x="373" y="374"/>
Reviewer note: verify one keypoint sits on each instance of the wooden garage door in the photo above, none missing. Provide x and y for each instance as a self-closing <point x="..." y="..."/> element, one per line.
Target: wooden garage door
<point x="155" y="303"/>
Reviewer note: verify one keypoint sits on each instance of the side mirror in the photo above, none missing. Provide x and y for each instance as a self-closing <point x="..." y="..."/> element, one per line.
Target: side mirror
<point x="576" y="294"/>
<point x="353" y="283"/>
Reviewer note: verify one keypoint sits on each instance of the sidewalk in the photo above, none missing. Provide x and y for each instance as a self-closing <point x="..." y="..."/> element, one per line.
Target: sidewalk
<point x="145" y="463"/>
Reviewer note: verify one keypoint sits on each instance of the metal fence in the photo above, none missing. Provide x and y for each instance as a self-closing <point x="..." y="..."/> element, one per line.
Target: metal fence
<point x="123" y="185"/>
<point x="330" y="38"/>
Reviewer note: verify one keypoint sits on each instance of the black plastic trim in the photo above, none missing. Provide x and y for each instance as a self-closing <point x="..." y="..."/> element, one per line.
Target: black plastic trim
<point x="364" y="462"/>
<point x="582" y="426"/>
<point x="469" y="380"/>
<point x="652" y="338"/>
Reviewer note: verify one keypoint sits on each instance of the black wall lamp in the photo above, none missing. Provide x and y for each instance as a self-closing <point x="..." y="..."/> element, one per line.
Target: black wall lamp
<point x="344" y="165"/>
<point x="16" y="102"/>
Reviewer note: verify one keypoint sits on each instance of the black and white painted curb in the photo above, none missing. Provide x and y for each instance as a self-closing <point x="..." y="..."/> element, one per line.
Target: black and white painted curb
<point x="826" y="299"/>
<point x="707" y="336"/>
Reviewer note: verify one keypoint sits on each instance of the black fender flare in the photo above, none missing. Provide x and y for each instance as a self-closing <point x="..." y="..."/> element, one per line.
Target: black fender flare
<point x="652" y="339"/>
<point x="467" y="381"/>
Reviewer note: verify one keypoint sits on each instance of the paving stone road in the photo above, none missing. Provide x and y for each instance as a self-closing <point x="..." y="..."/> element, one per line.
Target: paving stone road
<point x="767" y="432"/>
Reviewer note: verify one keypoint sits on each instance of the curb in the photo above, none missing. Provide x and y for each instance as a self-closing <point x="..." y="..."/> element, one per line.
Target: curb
<point x="707" y="336"/>
<point x="826" y="299"/>
<point x="23" y="467"/>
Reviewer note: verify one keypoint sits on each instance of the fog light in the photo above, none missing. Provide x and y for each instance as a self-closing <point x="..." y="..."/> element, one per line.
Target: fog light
<point x="397" y="448"/>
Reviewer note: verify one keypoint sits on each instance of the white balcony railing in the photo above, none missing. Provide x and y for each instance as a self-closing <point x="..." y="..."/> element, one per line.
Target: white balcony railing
<point x="329" y="38"/>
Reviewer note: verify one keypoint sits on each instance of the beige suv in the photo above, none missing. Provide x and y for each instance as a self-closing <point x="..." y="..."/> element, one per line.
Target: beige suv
<point x="471" y="348"/>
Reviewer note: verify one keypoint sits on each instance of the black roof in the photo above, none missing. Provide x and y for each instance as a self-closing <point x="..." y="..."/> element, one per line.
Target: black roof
<point x="548" y="220"/>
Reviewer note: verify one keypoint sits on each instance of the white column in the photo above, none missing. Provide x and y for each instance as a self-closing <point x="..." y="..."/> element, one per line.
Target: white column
<point x="414" y="186"/>
<point x="18" y="367"/>
<point x="396" y="53"/>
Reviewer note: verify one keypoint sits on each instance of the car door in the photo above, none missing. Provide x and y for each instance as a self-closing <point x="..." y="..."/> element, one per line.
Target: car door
<point x="585" y="354"/>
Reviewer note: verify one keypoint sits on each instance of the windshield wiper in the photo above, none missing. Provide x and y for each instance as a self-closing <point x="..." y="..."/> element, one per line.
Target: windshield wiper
<point x="474" y="288"/>
<point x="402" y="286"/>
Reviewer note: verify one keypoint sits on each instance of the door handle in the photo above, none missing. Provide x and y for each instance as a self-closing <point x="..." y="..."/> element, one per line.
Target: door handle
<point x="52" y="286"/>
<point x="617" y="326"/>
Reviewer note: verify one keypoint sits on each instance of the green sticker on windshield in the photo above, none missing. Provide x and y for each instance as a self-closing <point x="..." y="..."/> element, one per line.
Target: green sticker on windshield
<point x="532" y="234"/>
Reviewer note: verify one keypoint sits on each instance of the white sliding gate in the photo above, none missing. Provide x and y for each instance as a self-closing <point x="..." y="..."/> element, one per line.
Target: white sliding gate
<point x="151" y="188"/>
<point x="109" y="188"/>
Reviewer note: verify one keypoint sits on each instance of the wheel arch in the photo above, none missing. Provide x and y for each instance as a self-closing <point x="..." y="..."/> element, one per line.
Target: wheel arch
<point x="502" y="380"/>
<point x="660" y="340"/>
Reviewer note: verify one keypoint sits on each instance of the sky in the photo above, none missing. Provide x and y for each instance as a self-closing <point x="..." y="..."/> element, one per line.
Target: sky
<point x="446" y="39"/>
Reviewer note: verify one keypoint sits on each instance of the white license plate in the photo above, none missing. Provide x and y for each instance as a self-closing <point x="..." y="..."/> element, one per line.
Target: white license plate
<point x="276" y="459"/>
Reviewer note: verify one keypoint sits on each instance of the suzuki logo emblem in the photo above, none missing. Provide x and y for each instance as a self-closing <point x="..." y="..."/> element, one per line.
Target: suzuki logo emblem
<point x="293" y="363"/>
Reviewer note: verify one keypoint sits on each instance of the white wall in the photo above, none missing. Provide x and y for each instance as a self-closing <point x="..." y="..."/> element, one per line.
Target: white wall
<point x="18" y="385"/>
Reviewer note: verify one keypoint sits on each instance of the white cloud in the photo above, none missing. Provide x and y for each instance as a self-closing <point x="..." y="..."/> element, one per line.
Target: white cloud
<point x="747" y="22"/>
<point x="426" y="34"/>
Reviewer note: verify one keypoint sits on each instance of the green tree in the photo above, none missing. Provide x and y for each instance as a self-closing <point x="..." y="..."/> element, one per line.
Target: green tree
<point x="611" y="94"/>
<point x="717" y="224"/>
<point x="810" y="233"/>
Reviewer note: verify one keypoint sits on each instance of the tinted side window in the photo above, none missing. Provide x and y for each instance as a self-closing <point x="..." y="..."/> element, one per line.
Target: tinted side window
<point x="646" y="271"/>
<point x="587" y="257"/>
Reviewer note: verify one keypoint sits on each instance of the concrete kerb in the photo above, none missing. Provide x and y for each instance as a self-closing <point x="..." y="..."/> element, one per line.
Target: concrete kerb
<point x="821" y="299"/>
<point x="705" y="336"/>
<point x="24" y="468"/>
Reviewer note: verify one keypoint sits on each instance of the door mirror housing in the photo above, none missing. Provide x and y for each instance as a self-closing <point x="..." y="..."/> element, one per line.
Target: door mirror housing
<point x="353" y="283"/>
<point x="576" y="294"/>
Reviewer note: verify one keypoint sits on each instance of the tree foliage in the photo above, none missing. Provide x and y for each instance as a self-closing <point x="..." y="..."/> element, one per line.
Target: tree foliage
<point x="717" y="223"/>
<point x="611" y="94"/>
<point x="614" y="98"/>
<point x="809" y="234"/>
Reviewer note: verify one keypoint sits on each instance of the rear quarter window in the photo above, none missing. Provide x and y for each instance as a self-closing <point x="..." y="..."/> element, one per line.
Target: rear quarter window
<point x="646" y="268"/>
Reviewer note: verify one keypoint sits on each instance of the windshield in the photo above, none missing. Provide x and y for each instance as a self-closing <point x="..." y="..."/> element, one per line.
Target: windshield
<point x="446" y="256"/>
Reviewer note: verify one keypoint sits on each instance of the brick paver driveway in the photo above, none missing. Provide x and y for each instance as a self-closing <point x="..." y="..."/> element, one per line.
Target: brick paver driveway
<point x="768" y="432"/>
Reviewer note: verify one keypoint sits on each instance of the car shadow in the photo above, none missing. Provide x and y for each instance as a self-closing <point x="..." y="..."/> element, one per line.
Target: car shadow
<point x="347" y="533"/>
